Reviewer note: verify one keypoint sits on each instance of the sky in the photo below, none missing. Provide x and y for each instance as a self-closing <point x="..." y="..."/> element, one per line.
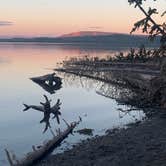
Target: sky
<point x="55" y="17"/>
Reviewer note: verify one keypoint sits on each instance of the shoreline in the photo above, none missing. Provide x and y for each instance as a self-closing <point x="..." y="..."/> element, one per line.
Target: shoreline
<point x="141" y="144"/>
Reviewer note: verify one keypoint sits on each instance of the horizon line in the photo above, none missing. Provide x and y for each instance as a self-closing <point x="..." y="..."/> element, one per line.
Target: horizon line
<point x="65" y="34"/>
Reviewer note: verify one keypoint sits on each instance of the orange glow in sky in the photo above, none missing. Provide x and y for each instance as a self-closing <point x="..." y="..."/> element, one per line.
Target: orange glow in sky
<point x="53" y="17"/>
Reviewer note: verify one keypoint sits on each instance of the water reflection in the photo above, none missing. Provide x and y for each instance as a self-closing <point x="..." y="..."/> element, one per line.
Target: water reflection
<point x="111" y="91"/>
<point x="108" y="90"/>
<point x="29" y="60"/>
<point x="49" y="82"/>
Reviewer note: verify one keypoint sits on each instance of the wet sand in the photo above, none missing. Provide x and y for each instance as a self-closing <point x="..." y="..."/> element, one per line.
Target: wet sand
<point x="141" y="144"/>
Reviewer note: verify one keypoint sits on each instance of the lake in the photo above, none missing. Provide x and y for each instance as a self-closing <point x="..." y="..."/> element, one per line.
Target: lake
<point x="20" y="130"/>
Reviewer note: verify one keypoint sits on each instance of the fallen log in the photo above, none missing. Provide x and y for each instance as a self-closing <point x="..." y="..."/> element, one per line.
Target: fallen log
<point x="38" y="154"/>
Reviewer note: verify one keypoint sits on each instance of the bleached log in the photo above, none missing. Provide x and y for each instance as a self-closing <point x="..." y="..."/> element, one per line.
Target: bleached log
<point x="35" y="156"/>
<point x="9" y="158"/>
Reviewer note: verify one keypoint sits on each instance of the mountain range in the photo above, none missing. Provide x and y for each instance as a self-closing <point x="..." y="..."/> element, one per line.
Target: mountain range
<point x="91" y="38"/>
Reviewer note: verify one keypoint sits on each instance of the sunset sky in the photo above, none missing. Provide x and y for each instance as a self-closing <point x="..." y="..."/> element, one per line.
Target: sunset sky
<point x="56" y="17"/>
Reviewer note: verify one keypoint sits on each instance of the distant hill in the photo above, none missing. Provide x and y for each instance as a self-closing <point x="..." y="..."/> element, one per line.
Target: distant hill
<point x="92" y="38"/>
<point x="86" y="33"/>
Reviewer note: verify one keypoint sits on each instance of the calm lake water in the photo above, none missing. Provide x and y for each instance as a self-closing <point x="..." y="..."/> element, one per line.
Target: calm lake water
<point x="20" y="130"/>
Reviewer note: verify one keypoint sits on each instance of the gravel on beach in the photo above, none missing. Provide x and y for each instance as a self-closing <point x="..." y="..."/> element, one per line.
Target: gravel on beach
<point x="142" y="144"/>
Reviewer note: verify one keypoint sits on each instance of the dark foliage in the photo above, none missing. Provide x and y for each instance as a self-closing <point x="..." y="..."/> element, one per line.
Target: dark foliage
<point x="148" y="24"/>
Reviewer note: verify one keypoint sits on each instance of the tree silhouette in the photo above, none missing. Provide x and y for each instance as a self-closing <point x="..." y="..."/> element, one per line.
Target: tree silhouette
<point x="148" y="25"/>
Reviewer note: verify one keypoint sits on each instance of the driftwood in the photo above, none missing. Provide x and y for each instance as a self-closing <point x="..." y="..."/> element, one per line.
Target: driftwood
<point x="47" y="110"/>
<point x="38" y="154"/>
<point x="54" y="109"/>
<point x="51" y="78"/>
<point x="48" y="82"/>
